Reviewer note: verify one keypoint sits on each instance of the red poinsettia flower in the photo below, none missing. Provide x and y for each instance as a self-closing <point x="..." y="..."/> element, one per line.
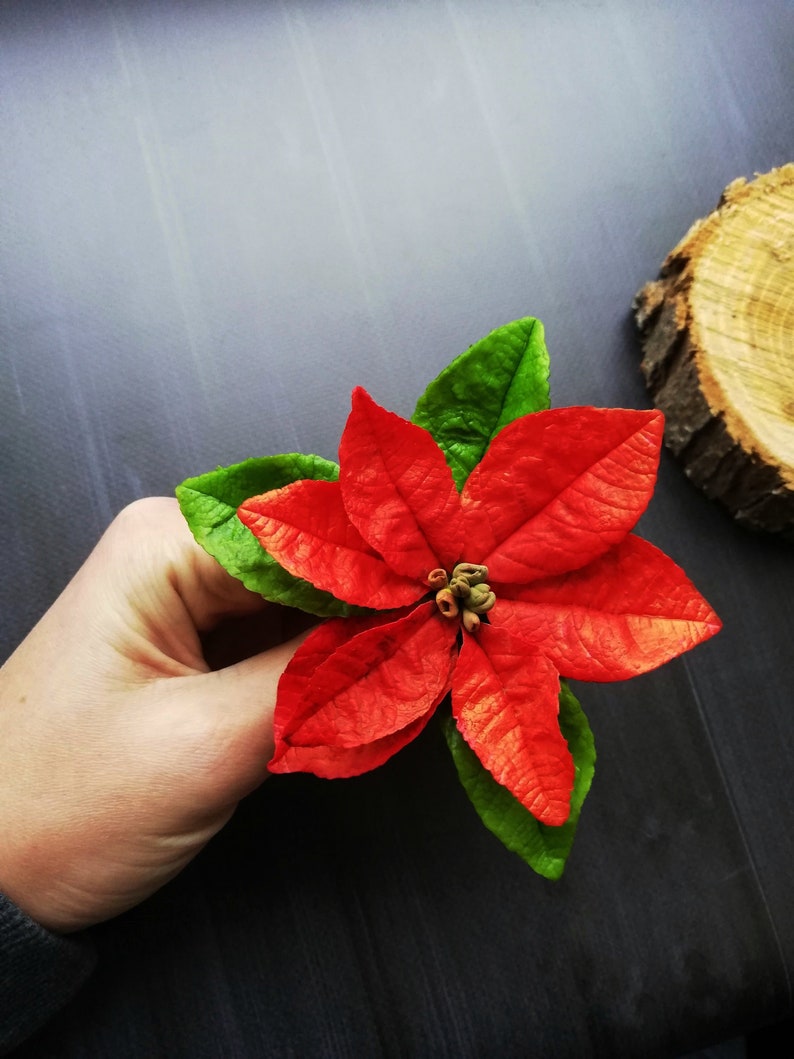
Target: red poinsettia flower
<point x="529" y="574"/>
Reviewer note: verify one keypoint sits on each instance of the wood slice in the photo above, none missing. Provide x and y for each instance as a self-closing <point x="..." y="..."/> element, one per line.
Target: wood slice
<point x="717" y="333"/>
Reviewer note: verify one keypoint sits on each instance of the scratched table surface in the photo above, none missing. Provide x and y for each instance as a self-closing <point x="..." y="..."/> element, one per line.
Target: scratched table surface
<point x="217" y="218"/>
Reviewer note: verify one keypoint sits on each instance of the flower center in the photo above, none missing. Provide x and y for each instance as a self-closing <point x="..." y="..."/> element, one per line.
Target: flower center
<point x="463" y="594"/>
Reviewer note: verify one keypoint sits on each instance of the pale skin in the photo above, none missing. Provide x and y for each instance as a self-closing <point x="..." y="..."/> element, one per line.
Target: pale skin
<point x="122" y="753"/>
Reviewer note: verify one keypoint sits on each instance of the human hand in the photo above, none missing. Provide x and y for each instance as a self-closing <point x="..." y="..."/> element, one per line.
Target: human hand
<point x="122" y="753"/>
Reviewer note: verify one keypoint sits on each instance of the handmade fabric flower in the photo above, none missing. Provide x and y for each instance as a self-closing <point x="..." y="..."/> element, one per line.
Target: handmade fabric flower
<point x="492" y="556"/>
<point x="545" y="517"/>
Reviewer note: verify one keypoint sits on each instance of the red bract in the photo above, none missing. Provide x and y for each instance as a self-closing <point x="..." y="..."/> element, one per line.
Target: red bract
<point x="570" y="591"/>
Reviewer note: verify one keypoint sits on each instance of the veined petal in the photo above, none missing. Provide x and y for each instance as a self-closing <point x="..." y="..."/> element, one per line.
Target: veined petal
<point x="305" y="528"/>
<point x="371" y="686"/>
<point x="398" y="490"/>
<point x="338" y="762"/>
<point x="558" y="488"/>
<point x="627" y="612"/>
<point x="505" y="701"/>
<point x="292" y="705"/>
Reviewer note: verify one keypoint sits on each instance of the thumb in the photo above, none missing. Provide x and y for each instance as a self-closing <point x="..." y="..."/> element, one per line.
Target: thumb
<point x="236" y="705"/>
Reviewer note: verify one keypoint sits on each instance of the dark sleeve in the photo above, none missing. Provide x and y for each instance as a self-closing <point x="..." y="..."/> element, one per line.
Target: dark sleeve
<point x="39" y="973"/>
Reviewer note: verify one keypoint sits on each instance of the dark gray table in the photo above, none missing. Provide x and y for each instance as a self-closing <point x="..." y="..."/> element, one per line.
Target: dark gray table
<point x="219" y="217"/>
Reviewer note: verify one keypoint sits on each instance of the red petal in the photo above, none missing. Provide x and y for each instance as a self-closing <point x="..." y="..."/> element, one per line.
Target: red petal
<point x="335" y="762"/>
<point x="626" y="613"/>
<point x="505" y="701"/>
<point x="305" y="528"/>
<point x="558" y="488"/>
<point x="372" y="686"/>
<point x="398" y="490"/>
<point x="319" y="645"/>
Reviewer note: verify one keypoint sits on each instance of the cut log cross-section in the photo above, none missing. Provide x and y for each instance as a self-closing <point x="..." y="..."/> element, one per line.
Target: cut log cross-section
<point x="717" y="332"/>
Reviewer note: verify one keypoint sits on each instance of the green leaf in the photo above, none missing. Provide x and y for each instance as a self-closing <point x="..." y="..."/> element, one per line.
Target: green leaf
<point x="503" y="376"/>
<point x="544" y="848"/>
<point x="209" y="504"/>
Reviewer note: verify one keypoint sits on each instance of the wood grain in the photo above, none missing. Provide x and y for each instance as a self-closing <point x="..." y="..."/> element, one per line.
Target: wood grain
<point x="717" y="331"/>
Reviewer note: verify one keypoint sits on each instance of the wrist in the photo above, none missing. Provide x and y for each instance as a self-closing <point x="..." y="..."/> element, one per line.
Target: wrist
<point x="28" y="888"/>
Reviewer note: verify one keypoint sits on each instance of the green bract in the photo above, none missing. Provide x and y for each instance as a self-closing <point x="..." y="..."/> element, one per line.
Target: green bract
<point x="503" y="376"/>
<point x="545" y="849"/>
<point x="209" y="504"/>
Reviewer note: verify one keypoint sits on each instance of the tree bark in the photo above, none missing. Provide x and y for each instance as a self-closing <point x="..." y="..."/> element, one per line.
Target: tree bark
<point x="717" y="333"/>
